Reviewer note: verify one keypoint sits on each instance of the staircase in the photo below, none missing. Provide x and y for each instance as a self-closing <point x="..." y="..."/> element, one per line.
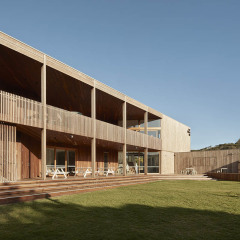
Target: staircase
<point x="31" y="190"/>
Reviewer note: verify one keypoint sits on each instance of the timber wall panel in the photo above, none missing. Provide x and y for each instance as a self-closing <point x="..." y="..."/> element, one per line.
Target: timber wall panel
<point x="207" y="161"/>
<point x="84" y="157"/>
<point x="174" y="135"/>
<point x="8" y="166"/>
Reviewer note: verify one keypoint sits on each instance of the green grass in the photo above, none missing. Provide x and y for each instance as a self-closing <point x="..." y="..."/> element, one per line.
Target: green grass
<point x="159" y="210"/>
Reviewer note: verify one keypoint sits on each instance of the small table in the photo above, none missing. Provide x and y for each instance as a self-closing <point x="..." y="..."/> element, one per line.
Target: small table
<point x="190" y="171"/>
<point x="59" y="171"/>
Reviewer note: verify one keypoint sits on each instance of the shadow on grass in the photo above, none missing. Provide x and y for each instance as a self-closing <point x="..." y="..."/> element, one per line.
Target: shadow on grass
<point x="52" y="219"/>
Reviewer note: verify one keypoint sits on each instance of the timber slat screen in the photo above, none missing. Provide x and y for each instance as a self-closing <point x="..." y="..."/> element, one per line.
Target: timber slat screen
<point x="65" y="121"/>
<point x="154" y="143"/>
<point x="109" y="132"/>
<point x="136" y="138"/>
<point x="8" y="168"/>
<point x="16" y="109"/>
<point x="19" y="110"/>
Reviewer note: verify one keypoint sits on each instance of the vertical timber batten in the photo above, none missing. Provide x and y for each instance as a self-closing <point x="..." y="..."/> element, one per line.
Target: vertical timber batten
<point x="93" y="115"/>
<point x="146" y="150"/>
<point x="124" y="110"/>
<point x="8" y="165"/>
<point x="44" y="132"/>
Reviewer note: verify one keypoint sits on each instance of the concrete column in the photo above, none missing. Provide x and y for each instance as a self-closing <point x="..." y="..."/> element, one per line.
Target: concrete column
<point x="93" y="115"/>
<point x="44" y="113"/>
<point x="124" y="113"/>
<point x="146" y="150"/>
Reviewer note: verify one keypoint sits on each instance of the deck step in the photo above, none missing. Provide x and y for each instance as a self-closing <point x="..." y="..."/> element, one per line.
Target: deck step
<point x="45" y="188"/>
<point x="46" y="193"/>
<point x="31" y="190"/>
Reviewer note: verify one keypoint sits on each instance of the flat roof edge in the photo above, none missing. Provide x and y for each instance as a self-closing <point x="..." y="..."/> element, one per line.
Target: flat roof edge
<point x="37" y="55"/>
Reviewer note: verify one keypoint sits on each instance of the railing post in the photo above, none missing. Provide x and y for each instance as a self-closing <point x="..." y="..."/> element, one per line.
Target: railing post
<point x="93" y="115"/>
<point x="124" y="114"/>
<point x="146" y="149"/>
<point x="44" y="132"/>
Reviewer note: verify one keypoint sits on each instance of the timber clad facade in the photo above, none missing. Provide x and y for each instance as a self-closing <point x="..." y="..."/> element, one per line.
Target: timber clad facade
<point x="52" y="114"/>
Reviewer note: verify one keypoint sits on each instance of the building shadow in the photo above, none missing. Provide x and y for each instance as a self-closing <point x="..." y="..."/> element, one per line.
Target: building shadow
<point x="53" y="219"/>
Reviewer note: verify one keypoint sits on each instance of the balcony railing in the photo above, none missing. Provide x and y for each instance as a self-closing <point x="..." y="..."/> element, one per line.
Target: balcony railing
<point x="143" y="140"/>
<point x="16" y="109"/>
<point x="19" y="110"/>
<point x="110" y="132"/>
<point x="65" y="121"/>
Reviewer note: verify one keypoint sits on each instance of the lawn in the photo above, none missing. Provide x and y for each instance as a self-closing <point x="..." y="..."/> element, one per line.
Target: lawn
<point x="159" y="210"/>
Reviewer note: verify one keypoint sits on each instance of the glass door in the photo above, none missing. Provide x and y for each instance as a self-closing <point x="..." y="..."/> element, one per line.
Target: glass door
<point x="71" y="161"/>
<point x="105" y="161"/>
<point x="60" y="158"/>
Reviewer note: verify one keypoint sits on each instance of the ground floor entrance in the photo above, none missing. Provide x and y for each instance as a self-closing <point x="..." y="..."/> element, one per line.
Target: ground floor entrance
<point x="63" y="158"/>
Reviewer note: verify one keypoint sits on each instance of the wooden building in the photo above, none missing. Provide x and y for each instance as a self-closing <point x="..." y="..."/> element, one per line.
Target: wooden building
<point x="52" y="114"/>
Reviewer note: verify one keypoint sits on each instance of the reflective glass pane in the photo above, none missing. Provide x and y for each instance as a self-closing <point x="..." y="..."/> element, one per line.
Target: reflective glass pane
<point x="154" y="123"/>
<point x="50" y="156"/>
<point x="60" y="157"/>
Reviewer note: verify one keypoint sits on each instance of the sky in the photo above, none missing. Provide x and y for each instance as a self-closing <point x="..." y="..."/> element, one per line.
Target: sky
<point x="181" y="58"/>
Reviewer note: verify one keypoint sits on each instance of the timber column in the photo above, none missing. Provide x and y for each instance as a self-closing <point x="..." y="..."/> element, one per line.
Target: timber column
<point x="146" y="150"/>
<point x="93" y="115"/>
<point x="44" y="114"/>
<point x="159" y="162"/>
<point x="124" y="113"/>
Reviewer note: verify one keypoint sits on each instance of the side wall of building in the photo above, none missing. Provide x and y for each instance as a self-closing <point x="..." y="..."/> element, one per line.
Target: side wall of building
<point x="208" y="161"/>
<point x="175" y="138"/>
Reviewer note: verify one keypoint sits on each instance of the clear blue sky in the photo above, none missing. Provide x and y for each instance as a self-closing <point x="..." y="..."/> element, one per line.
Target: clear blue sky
<point x="179" y="57"/>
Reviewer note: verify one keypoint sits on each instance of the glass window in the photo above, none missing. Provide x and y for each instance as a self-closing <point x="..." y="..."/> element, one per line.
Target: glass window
<point x="105" y="161"/>
<point x="153" y="162"/>
<point x="142" y="123"/>
<point x="152" y="133"/>
<point x="70" y="161"/>
<point x="154" y="123"/>
<point x="50" y="156"/>
<point x="159" y="134"/>
<point x="60" y="157"/>
<point x="71" y="158"/>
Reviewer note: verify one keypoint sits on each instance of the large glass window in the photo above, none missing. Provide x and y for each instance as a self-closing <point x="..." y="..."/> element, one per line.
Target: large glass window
<point x="154" y="123"/>
<point x="50" y="156"/>
<point x="60" y="157"/>
<point x="70" y="160"/>
<point x="105" y="161"/>
<point x="153" y="162"/>
<point x="154" y="128"/>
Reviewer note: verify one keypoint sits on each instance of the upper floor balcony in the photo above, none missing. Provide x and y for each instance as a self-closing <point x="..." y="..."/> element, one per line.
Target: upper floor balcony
<point x="23" y="111"/>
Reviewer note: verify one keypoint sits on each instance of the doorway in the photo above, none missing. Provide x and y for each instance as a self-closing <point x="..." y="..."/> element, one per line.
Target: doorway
<point x="61" y="157"/>
<point x="105" y="161"/>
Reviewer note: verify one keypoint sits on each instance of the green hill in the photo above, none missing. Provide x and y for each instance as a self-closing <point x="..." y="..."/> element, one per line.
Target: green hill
<point x="224" y="146"/>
